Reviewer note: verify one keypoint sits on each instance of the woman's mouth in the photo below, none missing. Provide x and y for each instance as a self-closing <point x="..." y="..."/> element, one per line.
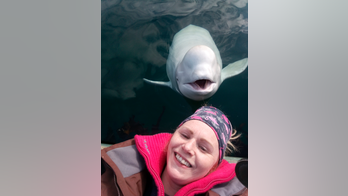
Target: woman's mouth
<point x="182" y="160"/>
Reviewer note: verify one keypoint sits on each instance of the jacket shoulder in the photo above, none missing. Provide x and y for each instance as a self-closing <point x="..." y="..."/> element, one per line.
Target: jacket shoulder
<point x="125" y="168"/>
<point x="232" y="187"/>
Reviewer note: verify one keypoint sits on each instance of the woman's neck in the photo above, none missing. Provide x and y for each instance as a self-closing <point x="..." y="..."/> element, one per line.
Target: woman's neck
<point x="170" y="188"/>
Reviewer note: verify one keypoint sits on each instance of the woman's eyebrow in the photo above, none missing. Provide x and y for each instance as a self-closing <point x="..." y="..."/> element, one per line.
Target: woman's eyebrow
<point x="206" y="142"/>
<point x="187" y="130"/>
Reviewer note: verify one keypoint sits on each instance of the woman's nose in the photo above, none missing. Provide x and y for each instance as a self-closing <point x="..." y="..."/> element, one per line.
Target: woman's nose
<point x="188" y="146"/>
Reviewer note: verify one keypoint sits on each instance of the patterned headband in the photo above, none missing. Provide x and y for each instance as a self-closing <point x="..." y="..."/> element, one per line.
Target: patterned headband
<point x="218" y="122"/>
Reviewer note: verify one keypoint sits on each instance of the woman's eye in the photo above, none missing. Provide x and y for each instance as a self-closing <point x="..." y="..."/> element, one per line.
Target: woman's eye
<point x="185" y="136"/>
<point x="203" y="148"/>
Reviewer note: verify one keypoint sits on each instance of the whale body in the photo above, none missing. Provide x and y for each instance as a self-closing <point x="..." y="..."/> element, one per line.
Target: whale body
<point x="194" y="65"/>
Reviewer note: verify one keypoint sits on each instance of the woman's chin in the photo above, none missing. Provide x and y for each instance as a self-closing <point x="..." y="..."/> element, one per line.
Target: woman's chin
<point x="178" y="174"/>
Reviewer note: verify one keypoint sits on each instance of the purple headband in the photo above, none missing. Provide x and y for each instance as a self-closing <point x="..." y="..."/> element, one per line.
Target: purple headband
<point x="218" y="122"/>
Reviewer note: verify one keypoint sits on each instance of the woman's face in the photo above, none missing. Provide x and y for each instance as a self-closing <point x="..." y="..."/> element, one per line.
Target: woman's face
<point x="192" y="152"/>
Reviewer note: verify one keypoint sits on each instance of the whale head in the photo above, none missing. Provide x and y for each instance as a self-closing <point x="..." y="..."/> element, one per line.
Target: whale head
<point x="198" y="75"/>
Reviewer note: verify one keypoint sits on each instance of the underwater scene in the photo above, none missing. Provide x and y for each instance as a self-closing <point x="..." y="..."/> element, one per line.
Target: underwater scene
<point x="143" y="45"/>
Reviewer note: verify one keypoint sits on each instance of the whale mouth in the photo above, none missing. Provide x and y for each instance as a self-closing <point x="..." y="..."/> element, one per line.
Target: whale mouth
<point x="201" y="84"/>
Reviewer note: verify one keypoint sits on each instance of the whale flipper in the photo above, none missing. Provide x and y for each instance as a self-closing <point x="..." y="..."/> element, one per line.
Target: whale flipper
<point x="233" y="69"/>
<point x="168" y="84"/>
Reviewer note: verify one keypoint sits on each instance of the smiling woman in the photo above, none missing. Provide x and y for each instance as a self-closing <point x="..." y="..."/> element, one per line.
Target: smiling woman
<point x="189" y="162"/>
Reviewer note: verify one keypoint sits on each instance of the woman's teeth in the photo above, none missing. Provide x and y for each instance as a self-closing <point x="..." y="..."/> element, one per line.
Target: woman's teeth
<point x="182" y="161"/>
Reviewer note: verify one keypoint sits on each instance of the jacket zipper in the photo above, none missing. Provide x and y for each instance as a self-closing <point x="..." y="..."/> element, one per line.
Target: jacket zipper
<point x="114" y="175"/>
<point x="118" y="189"/>
<point x="197" y="189"/>
<point x="152" y="171"/>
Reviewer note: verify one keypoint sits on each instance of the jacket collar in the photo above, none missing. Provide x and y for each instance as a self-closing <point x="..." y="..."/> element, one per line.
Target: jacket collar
<point x="153" y="150"/>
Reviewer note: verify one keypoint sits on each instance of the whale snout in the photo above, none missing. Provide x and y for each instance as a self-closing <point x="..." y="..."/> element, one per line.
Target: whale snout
<point x="199" y="90"/>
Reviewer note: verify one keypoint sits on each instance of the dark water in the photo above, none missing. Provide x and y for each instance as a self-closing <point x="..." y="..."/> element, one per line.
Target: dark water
<point x="135" y="40"/>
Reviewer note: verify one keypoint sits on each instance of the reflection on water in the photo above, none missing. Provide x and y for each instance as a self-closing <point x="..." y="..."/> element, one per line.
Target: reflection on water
<point x="135" y="39"/>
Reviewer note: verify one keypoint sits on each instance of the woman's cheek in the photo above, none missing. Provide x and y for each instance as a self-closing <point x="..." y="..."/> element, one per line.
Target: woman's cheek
<point x="205" y="161"/>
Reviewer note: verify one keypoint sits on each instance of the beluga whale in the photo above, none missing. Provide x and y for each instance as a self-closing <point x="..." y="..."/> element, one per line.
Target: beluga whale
<point x="194" y="65"/>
